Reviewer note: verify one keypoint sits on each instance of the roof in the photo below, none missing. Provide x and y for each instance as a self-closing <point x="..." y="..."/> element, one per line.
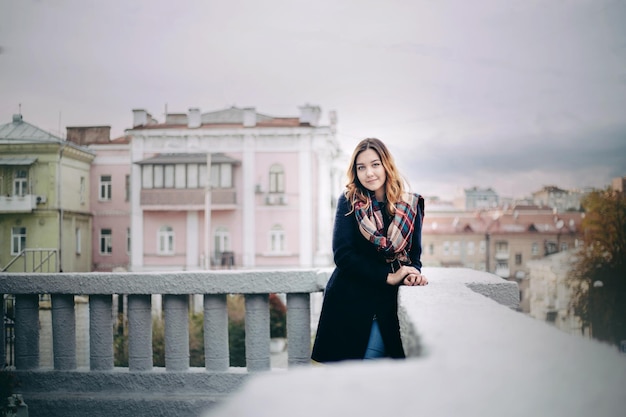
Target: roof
<point x="19" y="130"/>
<point x="187" y="158"/>
<point x="17" y="161"/>
<point x="509" y="222"/>
<point x="232" y="117"/>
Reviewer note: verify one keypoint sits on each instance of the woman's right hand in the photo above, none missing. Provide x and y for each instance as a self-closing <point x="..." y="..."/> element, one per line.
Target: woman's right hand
<point x="397" y="277"/>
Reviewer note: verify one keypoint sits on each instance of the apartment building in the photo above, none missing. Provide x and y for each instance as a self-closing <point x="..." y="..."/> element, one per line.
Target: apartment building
<point x="559" y="199"/>
<point x="45" y="214"/>
<point x="267" y="199"/>
<point x="476" y="198"/>
<point x="501" y="241"/>
<point x="110" y="196"/>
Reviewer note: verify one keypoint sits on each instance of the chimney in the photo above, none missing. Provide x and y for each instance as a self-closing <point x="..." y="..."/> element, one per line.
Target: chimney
<point x="17" y="118"/>
<point x="310" y="115"/>
<point x="333" y="121"/>
<point x="194" y="119"/>
<point x="249" y="117"/>
<point x="89" y="135"/>
<point x="140" y="117"/>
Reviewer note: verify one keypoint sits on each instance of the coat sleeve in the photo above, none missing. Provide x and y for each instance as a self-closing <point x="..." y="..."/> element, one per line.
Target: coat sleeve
<point x="354" y="262"/>
<point x="416" y="242"/>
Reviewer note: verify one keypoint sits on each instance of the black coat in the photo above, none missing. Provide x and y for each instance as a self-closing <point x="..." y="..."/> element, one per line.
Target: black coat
<point x="358" y="290"/>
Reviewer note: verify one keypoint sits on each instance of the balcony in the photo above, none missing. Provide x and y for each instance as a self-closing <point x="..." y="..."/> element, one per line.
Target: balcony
<point x="19" y="203"/>
<point x="501" y="255"/>
<point x="469" y="353"/>
<point x="171" y="198"/>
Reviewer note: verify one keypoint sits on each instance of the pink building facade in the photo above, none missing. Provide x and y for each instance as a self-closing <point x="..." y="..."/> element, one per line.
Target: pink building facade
<point x="270" y="190"/>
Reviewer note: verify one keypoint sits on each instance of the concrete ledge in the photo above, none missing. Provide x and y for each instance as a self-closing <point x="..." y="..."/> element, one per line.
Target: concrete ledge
<point x="171" y="282"/>
<point x="122" y="393"/>
<point x="477" y="358"/>
<point x="107" y="405"/>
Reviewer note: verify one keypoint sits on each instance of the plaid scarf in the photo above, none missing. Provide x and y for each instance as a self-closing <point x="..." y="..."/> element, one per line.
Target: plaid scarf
<point x="396" y="241"/>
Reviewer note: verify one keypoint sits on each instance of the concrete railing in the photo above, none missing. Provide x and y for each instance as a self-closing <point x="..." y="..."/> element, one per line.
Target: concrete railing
<point x="470" y="356"/>
<point x="469" y="353"/>
<point x="142" y="389"/>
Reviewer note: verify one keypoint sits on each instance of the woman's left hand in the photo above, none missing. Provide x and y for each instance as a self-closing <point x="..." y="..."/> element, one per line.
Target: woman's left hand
<point x="415" y="279"/>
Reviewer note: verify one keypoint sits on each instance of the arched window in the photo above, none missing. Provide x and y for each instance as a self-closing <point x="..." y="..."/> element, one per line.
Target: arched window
<point x="165" y="241"/>
<point x="277" y="179"/>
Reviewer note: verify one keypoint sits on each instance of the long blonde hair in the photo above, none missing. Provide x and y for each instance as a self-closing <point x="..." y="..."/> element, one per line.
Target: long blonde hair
<point x="394" y="185"/>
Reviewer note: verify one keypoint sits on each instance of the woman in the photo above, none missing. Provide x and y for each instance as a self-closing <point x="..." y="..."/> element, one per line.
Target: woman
<point x="376" y="247"/>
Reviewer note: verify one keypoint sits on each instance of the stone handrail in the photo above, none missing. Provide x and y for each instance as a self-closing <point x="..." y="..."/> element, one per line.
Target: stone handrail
<point x="469" y="356"/>
<point x="141" y="389"/>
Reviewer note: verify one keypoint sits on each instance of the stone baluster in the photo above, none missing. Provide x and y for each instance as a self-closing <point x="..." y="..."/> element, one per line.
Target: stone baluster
<point x="3" y="353"/>
<point x="257" y="332"/>
<point x="139" y="333"/>
<point x="27" y="331"/>
<point x="63" y="332"/>
<point x="216" y="351"/>
<point x="176" y="309"/>
<point x="100" y="332"/>
<point x="299" y="328"/>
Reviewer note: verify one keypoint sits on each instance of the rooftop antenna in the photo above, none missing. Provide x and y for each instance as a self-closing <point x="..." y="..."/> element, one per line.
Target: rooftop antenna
<point x="19" y="105"/>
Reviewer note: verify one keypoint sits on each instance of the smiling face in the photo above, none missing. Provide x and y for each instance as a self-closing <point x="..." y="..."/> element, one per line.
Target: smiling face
<point x="371" y="172"/>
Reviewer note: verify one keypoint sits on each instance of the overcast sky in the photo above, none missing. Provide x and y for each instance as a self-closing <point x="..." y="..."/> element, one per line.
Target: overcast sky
<point x="512" y="95"/>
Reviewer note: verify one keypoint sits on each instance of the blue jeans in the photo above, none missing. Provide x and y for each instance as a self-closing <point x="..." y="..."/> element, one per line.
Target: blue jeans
<point x="375" y="346"/>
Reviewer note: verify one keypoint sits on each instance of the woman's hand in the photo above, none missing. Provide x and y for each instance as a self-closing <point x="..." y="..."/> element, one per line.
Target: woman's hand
<point x="405" y="274"/>
<point x="415" y="279"/>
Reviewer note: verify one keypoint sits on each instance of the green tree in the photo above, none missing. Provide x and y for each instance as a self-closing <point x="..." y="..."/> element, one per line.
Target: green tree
<point x="598" y="278"/>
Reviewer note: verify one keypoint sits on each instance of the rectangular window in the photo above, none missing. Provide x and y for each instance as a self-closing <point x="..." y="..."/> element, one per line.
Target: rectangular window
<point x="202" y="176"/>
<point x="147" y="176"/>
<point x="502" y="247"/>
<point x="127" y="188"/>
<point x="455" y="247"/>
<point x="128" y="240"/>
<point x="105" y="188"/>
<point x="77" y="239"/>
<point x="180" y="180"/>
<point x="483" y="246"/>
<point x="446" y="248"/>
<point x="277" y="241"/>
<point x="165" y="241"/>
<point x="518" y="259"/>
<point x="168" y="176"/>
<point x="470" y="248"/>
<point x="20" y="185"/>
<point x="158" y="176"/>
<point x="83" y="190"/>
<point x="18" y="240"/>
<point x="564" y="246"/>
<point x="221" y="176"/>
<point x="535" y="249"/>
<point x="106" y="247"/>
<point x="431" y="249"/>
<point x="192" y="176"/>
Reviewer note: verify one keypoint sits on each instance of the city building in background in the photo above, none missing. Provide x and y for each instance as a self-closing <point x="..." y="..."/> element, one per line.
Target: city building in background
<point x="500" y="241"/>
<point x="476" y="198"/>
<point x="45" y="213"/>
<point x="232" y="188"/>
<point x="110" y="196"/>
<point x="559" y="199"/>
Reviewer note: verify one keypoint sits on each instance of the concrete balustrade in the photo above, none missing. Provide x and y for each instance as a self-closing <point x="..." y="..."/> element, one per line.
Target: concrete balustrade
<point x="469" y="352"/>
<point x="142" y="389"/>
